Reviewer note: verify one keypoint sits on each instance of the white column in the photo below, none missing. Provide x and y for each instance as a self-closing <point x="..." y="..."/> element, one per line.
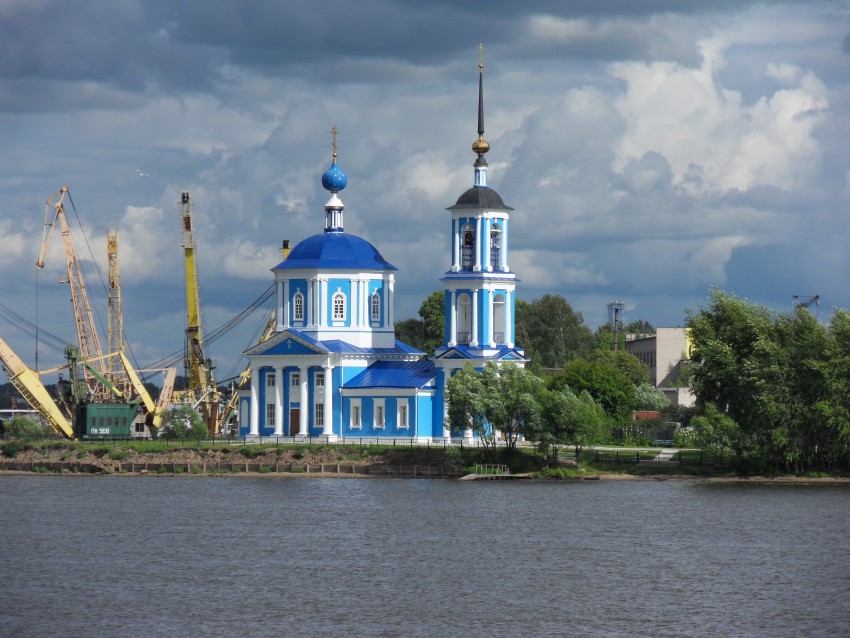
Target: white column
<point x="456" y="245"/>
<point x="352" y="305"/>
<point x="486" y="240"/>
<point x="509" y="333"/>
<point x="474" y="340"/>
<point x="278" y="402"/>
<point x="390" y="294"/>
<point x="308" y="320"/>
<point x="453" y="320"/>
<point x="323" y="302"/>
<point x="304" y="412"/>
<point x="328" y="427"/>
<point x="281" y="291"/>
<point x="478" y="244"/>
<point x="254" y="425"/>
<point x="504" y="256"/>
<point x="491" y="337"/>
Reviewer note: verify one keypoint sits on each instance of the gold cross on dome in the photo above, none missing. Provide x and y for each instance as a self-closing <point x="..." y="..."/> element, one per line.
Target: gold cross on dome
<point x="334" y="131"/>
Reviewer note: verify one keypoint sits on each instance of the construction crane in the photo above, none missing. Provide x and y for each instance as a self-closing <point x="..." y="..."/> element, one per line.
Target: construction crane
<point x="104" y="376"/>
<point x="814" y="300"/>
<point x="86" y="332"/>
<point x="28" y="383"/>
<point x="199" y="369"/>
<point x="115" y="324"/>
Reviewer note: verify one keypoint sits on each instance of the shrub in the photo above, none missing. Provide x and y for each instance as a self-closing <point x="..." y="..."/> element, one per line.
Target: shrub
<point x="23" y="427"/>
<point x="117" y="454"/>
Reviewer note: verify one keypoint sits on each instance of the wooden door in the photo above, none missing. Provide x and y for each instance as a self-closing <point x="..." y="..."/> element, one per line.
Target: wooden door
<point x="294" y="421"/>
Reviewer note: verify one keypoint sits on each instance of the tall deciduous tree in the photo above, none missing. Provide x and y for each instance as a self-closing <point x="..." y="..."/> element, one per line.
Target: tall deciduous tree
<point x="605" y="384"/>
<point x="551" y="332"/>
<point x="771" y="375"/>
<point x="568" y="418"/>
<point x="427" y="332"/>
<point x="625" y="362"/>
<point x="496" y="399"/>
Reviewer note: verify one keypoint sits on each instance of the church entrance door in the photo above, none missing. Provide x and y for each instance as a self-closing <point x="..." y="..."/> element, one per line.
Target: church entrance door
<point x="294" y="421"/>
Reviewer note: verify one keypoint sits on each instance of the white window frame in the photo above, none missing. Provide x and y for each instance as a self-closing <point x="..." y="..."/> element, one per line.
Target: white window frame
<point x="379" y="414"/>
<point x="338" y="306"/>
<point x="319" y="412"/>
<point x="355" y="415"/>
<point x="270" y="379"/>
<point x="402" y="421"/>
<point x="270" y="414"/>
<point x="298" y="306"/>
<point x="319" y="381"/>
<point x="295" y="379"/>
<point x="376" y="306"/>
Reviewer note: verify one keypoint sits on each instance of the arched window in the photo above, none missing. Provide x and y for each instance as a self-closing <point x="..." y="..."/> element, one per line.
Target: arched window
<point x="338" y="305"/>
<point x="464" y="319"/>
<point x="376" y="306"/>
<point x="298" y="307"/>
<point x="499" y="319"/>
<point x="467" y="254"/>
<point x="496" y="247"/>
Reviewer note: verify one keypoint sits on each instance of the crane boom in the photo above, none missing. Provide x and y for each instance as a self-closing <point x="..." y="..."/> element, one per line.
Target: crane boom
<point x="27" y="382"/>
<point x="86" y="333"/>
<point x="199" y="368"/>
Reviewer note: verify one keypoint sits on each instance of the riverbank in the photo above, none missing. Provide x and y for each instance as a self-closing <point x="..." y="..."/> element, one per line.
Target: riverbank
<point x="330" y="461"/>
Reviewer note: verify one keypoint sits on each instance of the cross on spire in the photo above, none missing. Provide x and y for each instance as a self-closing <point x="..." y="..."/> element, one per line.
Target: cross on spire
<point x="334" y="131"/>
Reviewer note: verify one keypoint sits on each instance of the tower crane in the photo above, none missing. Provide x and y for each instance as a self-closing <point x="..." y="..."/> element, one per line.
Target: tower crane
<point x="83" y="319"/>
<point x="202" y="387"/>
<point x="115" y="324"/>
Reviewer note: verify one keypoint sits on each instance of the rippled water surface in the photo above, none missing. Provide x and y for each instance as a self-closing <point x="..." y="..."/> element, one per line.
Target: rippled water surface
<point x="238" y="556"/>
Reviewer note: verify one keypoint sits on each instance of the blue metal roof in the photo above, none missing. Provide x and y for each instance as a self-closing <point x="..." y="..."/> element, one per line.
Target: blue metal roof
<point x="335" y="250"/>
<point x="282" y="343"/>
<point x="395" y="374"/>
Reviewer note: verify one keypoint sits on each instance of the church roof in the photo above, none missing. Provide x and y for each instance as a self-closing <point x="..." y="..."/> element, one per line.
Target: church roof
<point x="295" y="342"/>
<point x="332" y="251"/>
<point x="480" y="198"/>
<point x="395" y="374"/>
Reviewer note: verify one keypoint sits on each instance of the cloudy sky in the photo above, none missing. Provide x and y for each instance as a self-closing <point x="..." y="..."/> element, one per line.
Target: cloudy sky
<point x="651" y="149"/>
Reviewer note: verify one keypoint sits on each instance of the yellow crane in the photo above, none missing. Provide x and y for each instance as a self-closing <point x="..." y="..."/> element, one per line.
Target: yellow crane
<point x="105" y="375"/>
<point x="202" y="387"/>
<point x="28" y="383"/>
<point x="83" y="319"/>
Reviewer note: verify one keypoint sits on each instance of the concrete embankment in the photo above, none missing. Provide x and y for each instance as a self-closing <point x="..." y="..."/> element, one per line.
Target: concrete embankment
<point x="208" y="468"/>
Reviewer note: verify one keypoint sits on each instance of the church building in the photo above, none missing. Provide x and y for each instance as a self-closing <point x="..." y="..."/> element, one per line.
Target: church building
<point x="334" y="369"/>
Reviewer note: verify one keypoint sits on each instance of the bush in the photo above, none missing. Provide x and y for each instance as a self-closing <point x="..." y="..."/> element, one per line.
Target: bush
<point x="23" y="427"/>
<point x="182" y="422"/>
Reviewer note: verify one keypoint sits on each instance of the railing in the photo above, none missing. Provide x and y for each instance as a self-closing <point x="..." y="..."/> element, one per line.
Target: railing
<point x="499" y="337"/>
<point x="464" y="337"/>
<point x="491" y="470"/>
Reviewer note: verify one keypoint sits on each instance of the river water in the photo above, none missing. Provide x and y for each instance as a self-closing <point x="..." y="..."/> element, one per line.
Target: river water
<point x="269" y="556"/>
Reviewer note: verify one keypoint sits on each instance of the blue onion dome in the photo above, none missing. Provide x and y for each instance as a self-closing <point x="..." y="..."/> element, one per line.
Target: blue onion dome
<point x="333" y="179"/>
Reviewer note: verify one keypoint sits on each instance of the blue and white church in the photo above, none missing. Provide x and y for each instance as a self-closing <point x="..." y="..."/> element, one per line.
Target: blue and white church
<point x="333" y="368"/>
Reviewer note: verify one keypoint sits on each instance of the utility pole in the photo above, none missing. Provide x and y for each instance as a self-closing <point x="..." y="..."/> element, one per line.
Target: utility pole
<point x="614" y="310"/>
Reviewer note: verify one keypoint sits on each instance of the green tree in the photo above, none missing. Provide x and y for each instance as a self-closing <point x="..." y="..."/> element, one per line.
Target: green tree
<point x="770" y="375"/>
<point x="625" y="362"/>
<point x="551" y="332"/>
<point x="23" y="427"/>
<point x="650" y="398"/>
<point x="432" y="312"/>
<point x="833" y="442"/>
<point x="718" y="433"/>
<point x="639" y="327"/>
<point x="496" y="399"/>
<point x="571" y="419"/>
<point x="183" y="422"/>
<point x="427" y="332"/>
<point x="605" y="384"/>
